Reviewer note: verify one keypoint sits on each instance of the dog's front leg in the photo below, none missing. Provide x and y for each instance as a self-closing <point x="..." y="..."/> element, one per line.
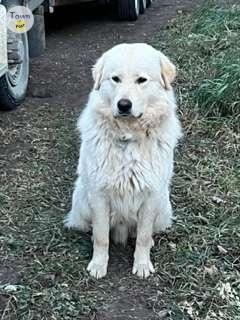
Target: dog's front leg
<point x="100" y="228"/>
<point x="142" y="263"/>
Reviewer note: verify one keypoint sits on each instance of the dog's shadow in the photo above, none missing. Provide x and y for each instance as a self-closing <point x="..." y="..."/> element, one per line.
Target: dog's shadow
<point x="120" y="257"/>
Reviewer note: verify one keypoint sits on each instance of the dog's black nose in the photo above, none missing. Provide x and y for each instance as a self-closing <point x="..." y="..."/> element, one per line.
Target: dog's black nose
<point x="124" y="106"/>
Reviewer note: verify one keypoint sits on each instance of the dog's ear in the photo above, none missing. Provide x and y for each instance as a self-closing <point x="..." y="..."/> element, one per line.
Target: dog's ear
<point x="97" y="73"/>
<point x="168" y="71"/>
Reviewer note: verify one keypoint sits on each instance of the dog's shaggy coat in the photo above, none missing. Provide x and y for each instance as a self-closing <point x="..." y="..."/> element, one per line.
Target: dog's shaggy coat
<point x="126" y="159"/>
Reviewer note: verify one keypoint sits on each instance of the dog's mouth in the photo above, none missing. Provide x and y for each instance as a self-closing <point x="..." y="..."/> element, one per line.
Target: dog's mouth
<point x="128" y="115"/>
<point x="125" y="114"/>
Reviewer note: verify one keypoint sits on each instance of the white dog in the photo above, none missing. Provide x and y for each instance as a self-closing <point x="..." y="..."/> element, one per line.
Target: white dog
<point x="129" y="130"/>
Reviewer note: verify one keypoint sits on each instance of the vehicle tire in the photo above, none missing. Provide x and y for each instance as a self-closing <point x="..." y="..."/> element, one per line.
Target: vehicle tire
<point x="13" y="85"/>
<point x="148" y="3"/>
<point x="128" y="9"/>
<point x="36" y="36"/>
<point x="143" y="6"/>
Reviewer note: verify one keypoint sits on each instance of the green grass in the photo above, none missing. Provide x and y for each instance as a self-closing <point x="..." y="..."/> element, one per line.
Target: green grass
<point x="197" y="261"/>
<point x="204" y="267"/>
<point x="206" y="45"/>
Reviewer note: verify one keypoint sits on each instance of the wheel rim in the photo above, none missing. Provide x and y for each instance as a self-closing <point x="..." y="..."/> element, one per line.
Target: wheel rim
<point x="15" y="57"/>
<point x="18" y="69"/>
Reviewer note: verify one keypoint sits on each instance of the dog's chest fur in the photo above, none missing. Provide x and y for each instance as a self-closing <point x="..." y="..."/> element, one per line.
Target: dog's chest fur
<point x="128" y="164"/>
<point x="128" y="169"/>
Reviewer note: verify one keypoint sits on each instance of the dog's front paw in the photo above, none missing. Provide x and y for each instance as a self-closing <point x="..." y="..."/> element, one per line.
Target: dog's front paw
<point x="143" y="270"/>
<point x="97" y="270"/>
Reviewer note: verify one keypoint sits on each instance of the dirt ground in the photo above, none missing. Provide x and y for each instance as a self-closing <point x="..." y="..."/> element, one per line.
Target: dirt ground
<point x="39" y="150"/>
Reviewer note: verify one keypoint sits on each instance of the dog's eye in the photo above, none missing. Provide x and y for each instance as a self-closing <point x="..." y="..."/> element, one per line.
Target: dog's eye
<point x="116" y="79"/>
<point x="141" y="80"/>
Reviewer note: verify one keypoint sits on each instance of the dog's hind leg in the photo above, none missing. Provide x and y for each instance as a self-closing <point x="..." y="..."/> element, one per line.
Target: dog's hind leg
<point x="79" y="215"/>
<point x="165" y="216"/>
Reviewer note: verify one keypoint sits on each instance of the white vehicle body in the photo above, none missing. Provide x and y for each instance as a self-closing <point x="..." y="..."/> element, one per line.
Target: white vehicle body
<point x="3" y="40"/>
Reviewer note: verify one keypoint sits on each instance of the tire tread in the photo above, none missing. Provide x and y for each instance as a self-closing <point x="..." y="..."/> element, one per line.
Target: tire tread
<point x="126" y="10"/>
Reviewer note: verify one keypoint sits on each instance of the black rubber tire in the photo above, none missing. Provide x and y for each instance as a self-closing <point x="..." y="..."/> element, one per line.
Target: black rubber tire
<point x="143" y="6"/>
<point x="127" y="10"/>
<point x="36" y="36"/>
<point x="12" y="96"/>
<point x="149" y="3"/>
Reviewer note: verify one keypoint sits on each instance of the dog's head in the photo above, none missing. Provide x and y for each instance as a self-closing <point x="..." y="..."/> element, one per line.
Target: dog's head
<point x="131" y="77"/>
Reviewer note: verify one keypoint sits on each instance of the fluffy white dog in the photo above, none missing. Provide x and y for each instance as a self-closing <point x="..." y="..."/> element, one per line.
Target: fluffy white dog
<point x="129" y="129"/>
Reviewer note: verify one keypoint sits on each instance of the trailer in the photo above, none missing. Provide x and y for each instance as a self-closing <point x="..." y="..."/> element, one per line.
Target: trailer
<point x="17" y="48"/>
